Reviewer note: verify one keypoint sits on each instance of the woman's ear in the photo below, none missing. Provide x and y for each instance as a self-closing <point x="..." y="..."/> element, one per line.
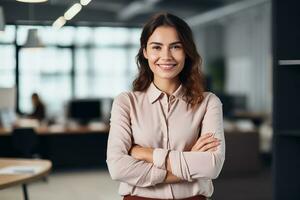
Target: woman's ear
<point x="145" y="53"/>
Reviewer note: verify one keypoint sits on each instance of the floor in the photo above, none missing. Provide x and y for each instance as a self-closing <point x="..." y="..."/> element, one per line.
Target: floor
<point x="68" y="185"/>
<point x="97" y="185"/>
<point x="255" y="186"/>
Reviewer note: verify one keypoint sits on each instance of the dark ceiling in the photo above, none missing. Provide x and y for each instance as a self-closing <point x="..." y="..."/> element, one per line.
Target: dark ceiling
<point x="105" y="12"/>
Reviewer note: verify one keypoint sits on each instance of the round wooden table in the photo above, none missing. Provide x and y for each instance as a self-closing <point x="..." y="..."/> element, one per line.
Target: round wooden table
<point x="9" y="178"/>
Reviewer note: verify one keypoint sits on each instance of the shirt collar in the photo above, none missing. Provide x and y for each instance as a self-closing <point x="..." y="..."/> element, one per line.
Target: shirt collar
<point x="154" y="93"/>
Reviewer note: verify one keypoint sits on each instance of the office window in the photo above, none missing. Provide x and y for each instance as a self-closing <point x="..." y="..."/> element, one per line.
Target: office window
<point x="7" y="66"/>
<point x="111" y="36"/>
<point x="8" y="36"/>
<point x="7" y="61"/>
<point x="104" y="64"/>
<point x="46" y="71"/>
<point x="98" y="68"/>
<point x="83" y="36"/>
<point x="108" y="67"/>
<point x="48" y="35"/>
<point x="63" y="36"/>
<point x="22" y="33"/>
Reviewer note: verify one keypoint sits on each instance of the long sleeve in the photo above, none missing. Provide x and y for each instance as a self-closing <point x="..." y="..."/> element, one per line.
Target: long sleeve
<point x="123" y="167"/>
<point x="193" y="165"/>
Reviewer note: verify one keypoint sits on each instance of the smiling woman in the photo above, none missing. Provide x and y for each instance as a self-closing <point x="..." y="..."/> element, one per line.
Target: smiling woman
<point x="165" y="55"/>
<point x="167" y="130"/>
<point x="166" y="31"/>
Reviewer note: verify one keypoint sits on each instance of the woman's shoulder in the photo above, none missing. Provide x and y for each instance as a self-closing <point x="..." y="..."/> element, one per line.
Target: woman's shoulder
<point x="128" y="96"/>
<point x="211" y="98"/>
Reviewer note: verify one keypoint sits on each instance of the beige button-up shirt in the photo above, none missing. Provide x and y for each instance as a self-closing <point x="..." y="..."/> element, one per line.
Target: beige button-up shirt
<point x="151" y="119"/>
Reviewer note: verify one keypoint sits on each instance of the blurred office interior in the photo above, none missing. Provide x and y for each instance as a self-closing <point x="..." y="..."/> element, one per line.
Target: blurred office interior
<point x="78" y="65"/>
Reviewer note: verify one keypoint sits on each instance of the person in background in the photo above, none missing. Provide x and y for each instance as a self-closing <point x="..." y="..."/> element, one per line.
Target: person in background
<point x="166" y="138"/>
<point x="39" y="110"/>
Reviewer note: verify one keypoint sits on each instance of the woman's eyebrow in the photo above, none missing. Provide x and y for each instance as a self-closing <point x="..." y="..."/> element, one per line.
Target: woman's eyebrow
<point x="177" y="42"/>
<point x="155" y="43"/>
<point x="158" y="43"/>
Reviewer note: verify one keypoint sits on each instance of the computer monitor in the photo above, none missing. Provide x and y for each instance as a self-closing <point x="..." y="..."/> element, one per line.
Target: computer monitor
<point x="232" y="103"/>
<point x="85" y="110"/>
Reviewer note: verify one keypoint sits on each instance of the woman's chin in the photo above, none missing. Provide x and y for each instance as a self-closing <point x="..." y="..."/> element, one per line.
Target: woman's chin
<point x="167" y="76"/>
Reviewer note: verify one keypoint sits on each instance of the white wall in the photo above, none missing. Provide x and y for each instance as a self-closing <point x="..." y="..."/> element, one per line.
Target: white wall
<point x="244" y="39"/>
<point x="247" y="47"/>
<point x="209" y="42"/>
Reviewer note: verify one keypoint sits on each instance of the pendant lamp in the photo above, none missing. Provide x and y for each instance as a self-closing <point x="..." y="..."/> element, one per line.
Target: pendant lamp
<point x="33" y="41"/>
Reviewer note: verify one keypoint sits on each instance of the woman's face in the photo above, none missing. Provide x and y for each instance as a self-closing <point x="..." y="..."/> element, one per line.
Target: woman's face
<point x="34" y="100"/>
<point x="165" y="54"/>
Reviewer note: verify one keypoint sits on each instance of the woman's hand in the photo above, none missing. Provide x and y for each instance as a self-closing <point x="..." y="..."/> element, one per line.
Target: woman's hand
<point x="135" y="152"/>
<point x="141" y="153"/>
<point x="206" y="142"/>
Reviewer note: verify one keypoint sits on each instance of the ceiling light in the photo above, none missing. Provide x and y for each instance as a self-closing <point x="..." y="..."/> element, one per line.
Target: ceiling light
<point x="2" y="21"/>
<point x="85" y="2"/>
<point x="33" y="41"/>
<point x="32" y="1"/>
<point x="60" y="22"/>
<point x="71" y="12"/>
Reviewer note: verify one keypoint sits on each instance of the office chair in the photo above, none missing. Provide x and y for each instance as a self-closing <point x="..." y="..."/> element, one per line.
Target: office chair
<point x="24" y="142"/>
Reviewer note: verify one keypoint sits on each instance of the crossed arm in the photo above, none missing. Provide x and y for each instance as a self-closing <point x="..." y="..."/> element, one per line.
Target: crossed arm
<point x="139" y="166"/>
<point x="206" y="143"/>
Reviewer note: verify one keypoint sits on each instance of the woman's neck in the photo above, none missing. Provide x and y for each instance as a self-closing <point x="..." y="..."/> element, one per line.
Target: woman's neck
<point x="167" y="86"/>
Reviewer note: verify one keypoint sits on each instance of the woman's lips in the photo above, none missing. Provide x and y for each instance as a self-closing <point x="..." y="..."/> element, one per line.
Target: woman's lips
<point x="166" y="66"/>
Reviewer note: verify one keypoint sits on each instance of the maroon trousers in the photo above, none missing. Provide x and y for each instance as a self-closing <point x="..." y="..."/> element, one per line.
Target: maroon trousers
<point x="128" y="197"/>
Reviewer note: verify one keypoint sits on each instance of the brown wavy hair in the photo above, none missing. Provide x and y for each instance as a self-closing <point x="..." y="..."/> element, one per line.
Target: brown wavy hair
<point x="191" y="77"/>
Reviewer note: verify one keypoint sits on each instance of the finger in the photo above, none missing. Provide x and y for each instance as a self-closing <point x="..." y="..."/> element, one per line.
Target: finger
<point x="210" y="145"/>
<point x="212" y="149"/>
<point x="205" y="142"/>
<point x="203" y="137"/>
<point x="202" y="144"/>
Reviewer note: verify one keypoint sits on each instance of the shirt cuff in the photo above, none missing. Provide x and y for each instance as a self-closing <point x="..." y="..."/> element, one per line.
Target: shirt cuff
<point x="159" y="158"/>
<point x="178" y="165"/>
<point x="157" y="175"/>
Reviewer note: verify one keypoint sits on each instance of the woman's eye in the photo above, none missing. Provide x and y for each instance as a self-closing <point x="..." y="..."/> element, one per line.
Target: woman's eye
<point x="156" y="47"/>
<point x="176" y="47"/>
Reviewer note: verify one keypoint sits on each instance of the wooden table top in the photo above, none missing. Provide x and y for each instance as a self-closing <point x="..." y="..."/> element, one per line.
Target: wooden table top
<point x="7" y="180"/>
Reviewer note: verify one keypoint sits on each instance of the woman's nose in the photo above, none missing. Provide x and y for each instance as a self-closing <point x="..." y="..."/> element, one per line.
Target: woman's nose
<point x="166" y="53"/>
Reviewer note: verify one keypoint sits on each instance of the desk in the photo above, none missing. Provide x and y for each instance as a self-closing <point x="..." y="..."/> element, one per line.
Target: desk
<point x="53" y="130"/>
<point x="65" y="147"/>
<point x="256" y="117"/>
<point x="8" y="180"/>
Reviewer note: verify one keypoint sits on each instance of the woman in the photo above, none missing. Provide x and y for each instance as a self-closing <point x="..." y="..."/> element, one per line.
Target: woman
<point x="166" y="138"/>
<point x="39" y="110"/>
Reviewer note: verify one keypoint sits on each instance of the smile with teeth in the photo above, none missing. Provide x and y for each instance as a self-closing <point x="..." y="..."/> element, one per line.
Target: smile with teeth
<point x="166" y="66"/>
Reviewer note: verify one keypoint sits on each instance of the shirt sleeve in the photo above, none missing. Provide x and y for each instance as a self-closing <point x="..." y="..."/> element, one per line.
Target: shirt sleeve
<point x="123" y="167"/>
<point x="193" y="165"/>
<point x="159" y="157"/>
